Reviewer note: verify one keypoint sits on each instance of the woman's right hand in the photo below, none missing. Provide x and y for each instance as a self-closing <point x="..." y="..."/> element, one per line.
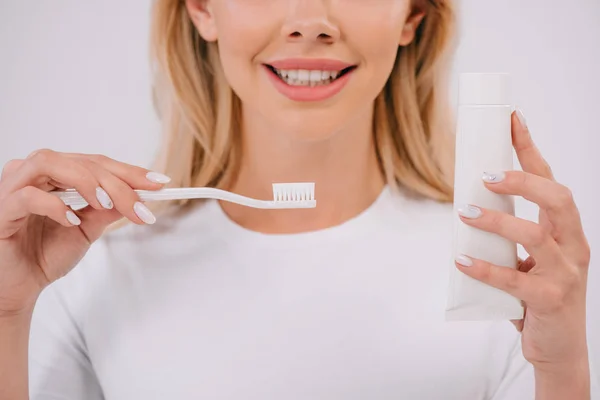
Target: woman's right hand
<point x="41" y="239"/>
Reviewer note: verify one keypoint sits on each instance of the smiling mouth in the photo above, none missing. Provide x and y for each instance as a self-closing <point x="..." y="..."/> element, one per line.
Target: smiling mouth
<point x="309" y="78"/>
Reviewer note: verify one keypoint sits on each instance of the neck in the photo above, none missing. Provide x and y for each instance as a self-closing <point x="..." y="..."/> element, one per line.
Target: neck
<point x="343" y="166"/>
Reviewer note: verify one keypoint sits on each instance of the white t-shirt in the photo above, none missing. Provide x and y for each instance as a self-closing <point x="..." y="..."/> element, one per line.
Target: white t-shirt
<point x="198" y="307"/>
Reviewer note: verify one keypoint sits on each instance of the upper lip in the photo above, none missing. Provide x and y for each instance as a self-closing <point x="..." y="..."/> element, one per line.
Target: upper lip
<point x="321" y="64"/>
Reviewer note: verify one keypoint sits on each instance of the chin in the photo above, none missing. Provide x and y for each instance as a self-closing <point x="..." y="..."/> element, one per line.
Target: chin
<point x="309" y="126"/>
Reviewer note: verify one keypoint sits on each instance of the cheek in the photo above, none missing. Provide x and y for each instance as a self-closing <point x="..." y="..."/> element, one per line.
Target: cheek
<point x="245" y="27"/>
<point x="375" y="34"/>
<point x="378" y="49"/>
<point x="378" y="46"/>
<point x="237" y="51"/>
<point x="244" y="32"/>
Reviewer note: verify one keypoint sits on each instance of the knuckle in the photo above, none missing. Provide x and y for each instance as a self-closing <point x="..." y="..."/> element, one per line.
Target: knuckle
<point x="586" y="256"/>
<point x="571" y="280"/>
<point x="82" y="177"/>
<point x="124" y="192"/>
<point x="87" y="183"/>
<point x="83" y="173"/>
<point x="554" y="296"/>
<point x="27" y="194"/>
<point x="40" y="153"/>
<point x="513" y="180"/>
<point x="57" y="204"/>
<point x="97" y="158"/>
<point x="521" y="178"/>
<point x="485" y="274"/>
<point x="40" y="157"/>
<point x="512" y="280"/>
<point x="11" y="166"/>
<point x="564" y="198"/>
<point x="138" y="170"/>
<point x="496" y="219"/>
<point x="88" y="164"/>
<point x="547" y="169"/>
<point x="537" y="237"/>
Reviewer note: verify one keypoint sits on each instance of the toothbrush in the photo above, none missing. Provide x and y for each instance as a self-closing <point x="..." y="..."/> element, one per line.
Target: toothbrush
<point x="285" y="196"/>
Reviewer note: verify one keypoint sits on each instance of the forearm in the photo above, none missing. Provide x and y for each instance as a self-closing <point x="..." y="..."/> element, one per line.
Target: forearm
<point x="14" y="343"/>
<point x="569" y="382"/>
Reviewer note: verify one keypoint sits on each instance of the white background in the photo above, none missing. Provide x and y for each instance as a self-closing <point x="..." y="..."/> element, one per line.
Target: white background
<point x="74" y="76"/>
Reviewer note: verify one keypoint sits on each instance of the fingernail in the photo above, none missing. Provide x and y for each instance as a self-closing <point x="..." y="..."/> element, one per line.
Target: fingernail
<point x="144" y="213"/>
<point x="157" y="177"/>
<point x="73" y="218"/>
<point x="463" y="260"/>
<point x="104" y="198"/>
<point x="493" y="177"/>
<point x="521" y="118"/>
<point x="469" y="211"/>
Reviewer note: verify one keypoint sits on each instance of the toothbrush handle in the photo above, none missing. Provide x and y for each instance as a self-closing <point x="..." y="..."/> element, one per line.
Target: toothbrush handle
<point x="178" y="194"/>
<point x="74" y="199"/>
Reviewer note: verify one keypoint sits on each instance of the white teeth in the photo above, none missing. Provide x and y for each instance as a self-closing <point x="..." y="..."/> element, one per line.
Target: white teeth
<point x="291" y="74"/>
<point x="303" y="77"/>
<point x="315" y="76"/>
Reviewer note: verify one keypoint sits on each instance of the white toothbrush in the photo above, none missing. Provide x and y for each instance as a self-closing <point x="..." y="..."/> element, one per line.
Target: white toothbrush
<point x="285" y="196"/>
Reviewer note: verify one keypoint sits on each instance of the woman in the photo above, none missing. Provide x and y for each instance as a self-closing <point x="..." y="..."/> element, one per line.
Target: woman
<point x="344" y="301"/>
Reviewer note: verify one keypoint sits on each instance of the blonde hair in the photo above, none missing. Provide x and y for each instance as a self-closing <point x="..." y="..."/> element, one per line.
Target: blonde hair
<point x="200" y="112"/>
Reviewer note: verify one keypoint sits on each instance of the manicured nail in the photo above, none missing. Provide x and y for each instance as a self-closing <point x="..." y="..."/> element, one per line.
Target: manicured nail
<point x="464" y="260"/>
<point x="157" y="177"/>
<point x="73" y="218"/>
<point x="104" y="198"/>
<point x="469" y="211"/>
<point x="144" y="213"/>
<point x="493" y="177"/>
<point x="521" y="118"/>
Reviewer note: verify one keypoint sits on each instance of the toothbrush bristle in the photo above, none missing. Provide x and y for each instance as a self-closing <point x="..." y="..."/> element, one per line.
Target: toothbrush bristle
<point x="293" y="191"/>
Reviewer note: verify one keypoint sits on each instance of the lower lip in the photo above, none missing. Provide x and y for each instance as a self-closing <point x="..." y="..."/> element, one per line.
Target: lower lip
<point x="308" y="93"/>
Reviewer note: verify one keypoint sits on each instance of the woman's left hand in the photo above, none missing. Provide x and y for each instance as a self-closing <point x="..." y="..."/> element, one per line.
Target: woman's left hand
<point x="552" y="281"/>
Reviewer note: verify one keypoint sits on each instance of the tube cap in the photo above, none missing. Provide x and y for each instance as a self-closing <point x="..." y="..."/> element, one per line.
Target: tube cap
<point x="484" y="89"/>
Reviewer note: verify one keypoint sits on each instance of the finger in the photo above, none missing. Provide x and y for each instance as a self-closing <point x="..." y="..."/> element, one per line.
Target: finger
<point x="10" y="167"/>
<point x="535" y="239"/>
<point x="123" y="196"/>
<point x="94" y="222"/>
<point x="30" y="200"/>
<point x="136" y="177"/>
<point x="529" y="156"/>
<point x="526" y="265"/>
<point x="509" y="280"/>
<point x="45" y="165"/>
<point x="56" y="185"/>
<point x="518" y="323"/>
<point x="550" y="196"/>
